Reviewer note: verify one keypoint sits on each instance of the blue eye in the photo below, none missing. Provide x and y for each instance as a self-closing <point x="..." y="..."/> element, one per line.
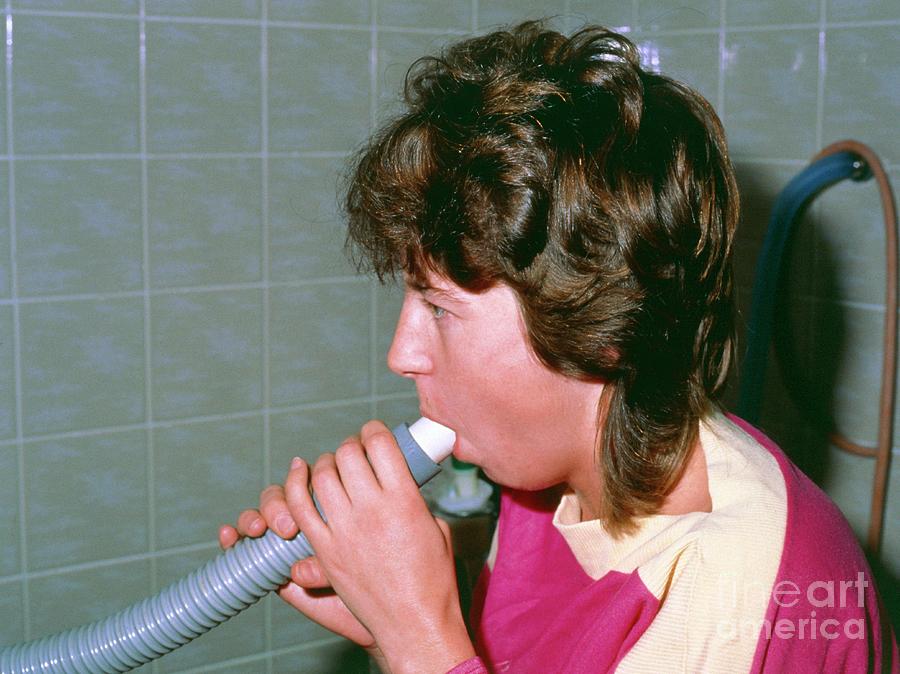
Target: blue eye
<point x="437" y="311"/>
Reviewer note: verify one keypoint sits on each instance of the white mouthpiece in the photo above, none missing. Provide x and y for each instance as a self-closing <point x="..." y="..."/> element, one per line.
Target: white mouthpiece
<point x="435" y="440"/>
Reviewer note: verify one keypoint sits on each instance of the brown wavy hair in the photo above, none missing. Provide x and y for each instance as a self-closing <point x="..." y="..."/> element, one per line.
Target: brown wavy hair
<point x="603" y="195"/>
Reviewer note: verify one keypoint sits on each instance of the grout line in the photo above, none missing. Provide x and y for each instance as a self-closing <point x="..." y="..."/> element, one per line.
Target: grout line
<point x="187" y="421"/>
<point x="17" y="330"/>
<point x="373" y="290"/>
<point x="182" y="290"/>
<point x="820" y="83"/>
<point x="811" y="336"/>
<point x="265" y="245"/>
<point x="178" y="156"/>
<point x="145" y="295"/>
<point x="873" y="23"/>
<point x="266" y="292"/>
<point x="720" y="84"/>
<point x="114" y="561"/>
<point x="268" y="655"/>
<point x="188" y="156"/>
<point x="791" y="163"/>
<point x="313" y="25"/>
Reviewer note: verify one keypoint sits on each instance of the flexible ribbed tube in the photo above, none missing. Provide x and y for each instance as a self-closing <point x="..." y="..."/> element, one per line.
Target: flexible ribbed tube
<point x="209" y="596"/>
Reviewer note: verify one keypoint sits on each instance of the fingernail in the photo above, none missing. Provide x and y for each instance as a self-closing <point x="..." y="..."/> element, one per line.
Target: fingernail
<point x="308" y="573"/>
<point x="284" y="523"/>
<point x="296" y="462"/>
<point x="256" y="522"/>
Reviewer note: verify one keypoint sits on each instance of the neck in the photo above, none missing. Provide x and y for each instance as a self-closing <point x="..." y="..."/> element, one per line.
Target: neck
<point x="690" y="494"/>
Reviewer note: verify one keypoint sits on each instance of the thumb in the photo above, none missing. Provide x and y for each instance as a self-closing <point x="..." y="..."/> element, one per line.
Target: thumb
<point x="445" y="530"/>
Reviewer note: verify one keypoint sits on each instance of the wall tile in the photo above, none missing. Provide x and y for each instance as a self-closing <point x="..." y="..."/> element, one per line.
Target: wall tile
<point x="320" y="343"/>
<point x="311" y="433"/>
<point x="493" y="14"/>
<point x="692" y="59"/>
<point x="395" y="411"/>
<point x="850" y="261"/>
<point x="12" y="629"/>
<point x="848" y="482"/>
<point x="237" y="9"/>
<point x="9" y="515"/>
<point x="318" y="89"/>
<point x="322" y="11"/>
<point x="760" y="185"/>
<point x="206" y="474"/>
<point x="329" y="657"/>
<point x="205" y="222"/>
<point x="82" y="364"/>
<point x="78" y="226"/>
<point x="7" y="375"/>
<point x="771" y="12"/>
<point x="890" y="545"/>
<point x="611" y="14"/>
<point x="861" y="89"/>
<point x="862" y="10"/>
<point x="670" y="14"/>
<point x="76" y="87"/>
<point x="207" y="353"/>
<point x="452" y="14"/>
<point x="306" y="230"/>
<point x="83" y="361"/>
<point x="396" y="53"/>
<point x="240" y="636"/>
<point x="74" y="483"/>
<point x="4" y="231"/>
<point x="3" y="129"/>
<point x="117" y="6"/>
<point x="203" y="88"/>
<point x="389" y="301"/>
<point x="73" y="599"/>
<point x="847" y="367"/>
<point x="780" y="416"/>
<point x="291" y="628"/>
<point x="770" y="93"/>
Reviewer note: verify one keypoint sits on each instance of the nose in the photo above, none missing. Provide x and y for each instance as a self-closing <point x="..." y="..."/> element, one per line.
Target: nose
<point x="408" y="355"/>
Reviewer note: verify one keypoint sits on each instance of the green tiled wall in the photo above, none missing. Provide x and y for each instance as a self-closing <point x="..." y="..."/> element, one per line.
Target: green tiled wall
<point x="176" y="316"/>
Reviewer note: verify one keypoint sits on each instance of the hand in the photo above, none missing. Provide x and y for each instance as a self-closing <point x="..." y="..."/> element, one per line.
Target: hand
<point x="308" y="591"/>
<point x="386" y="556"/>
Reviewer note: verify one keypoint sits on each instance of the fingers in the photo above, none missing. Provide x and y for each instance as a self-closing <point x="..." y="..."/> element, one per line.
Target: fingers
<point x="308" y="573"/>
<point x="274" y="509"/>
<point x="251" y="524"/>
<point x="300" y="503"/>
<point x="327" y="485"/>
<point x="354" y="468"/>
<point x="228" y="536"/>
<point x="385" y="456"/>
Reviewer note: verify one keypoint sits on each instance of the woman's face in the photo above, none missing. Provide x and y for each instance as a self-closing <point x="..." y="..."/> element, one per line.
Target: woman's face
<point x="525" y="425"/>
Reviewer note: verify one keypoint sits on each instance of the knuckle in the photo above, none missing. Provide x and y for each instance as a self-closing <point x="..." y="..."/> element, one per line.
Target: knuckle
<point x="347" y="449"/>
<point x="269" y="492"/>
<point x="372" y="426"/>
<point x="381" y="438"/>
<point x="321" y="468"/>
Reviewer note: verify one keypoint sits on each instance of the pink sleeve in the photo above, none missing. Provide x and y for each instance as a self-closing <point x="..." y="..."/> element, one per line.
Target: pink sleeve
<point x="470" y="666"/>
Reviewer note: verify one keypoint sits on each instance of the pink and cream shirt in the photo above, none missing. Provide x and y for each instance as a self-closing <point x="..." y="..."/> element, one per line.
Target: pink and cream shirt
<point x="771" y="579"/>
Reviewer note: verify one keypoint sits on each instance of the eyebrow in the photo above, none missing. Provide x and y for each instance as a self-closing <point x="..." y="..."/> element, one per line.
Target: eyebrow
<point x="440" y="292"/>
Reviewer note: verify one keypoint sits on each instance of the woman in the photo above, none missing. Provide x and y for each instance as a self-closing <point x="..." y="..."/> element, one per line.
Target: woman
<point x="563" y="222"/>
